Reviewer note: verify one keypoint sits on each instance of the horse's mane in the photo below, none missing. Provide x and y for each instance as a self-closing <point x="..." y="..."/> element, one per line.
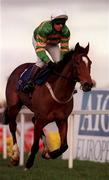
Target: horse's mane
<point x="67" y="57"/>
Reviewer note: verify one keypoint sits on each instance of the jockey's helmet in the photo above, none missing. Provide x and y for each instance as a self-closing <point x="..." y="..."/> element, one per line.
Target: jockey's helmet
<point x="59" y="15"/>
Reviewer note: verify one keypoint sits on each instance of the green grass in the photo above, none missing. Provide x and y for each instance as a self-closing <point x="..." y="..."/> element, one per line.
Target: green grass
<point x="55" y="170"/>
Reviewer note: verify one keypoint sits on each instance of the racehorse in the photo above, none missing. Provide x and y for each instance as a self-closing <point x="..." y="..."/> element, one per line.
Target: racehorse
<point x="51" y="101"/>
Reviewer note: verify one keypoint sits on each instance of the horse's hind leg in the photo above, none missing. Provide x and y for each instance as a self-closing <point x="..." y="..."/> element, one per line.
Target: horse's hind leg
<point x="62" y="126"/>
<point x="10" y="117"/>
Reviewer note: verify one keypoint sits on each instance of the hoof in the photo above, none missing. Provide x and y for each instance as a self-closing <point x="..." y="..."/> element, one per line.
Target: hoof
<point x="30" y="162"/>
<point x="46" y="155"/>
<point x="26" y="169"/>
<point x="28" y="165"/>
<point x="15" y="162"/>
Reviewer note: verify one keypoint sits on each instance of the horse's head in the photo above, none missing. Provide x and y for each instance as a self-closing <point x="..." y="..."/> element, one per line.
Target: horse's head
<point x="76" y="67"/>
<point x="82" y="67"/>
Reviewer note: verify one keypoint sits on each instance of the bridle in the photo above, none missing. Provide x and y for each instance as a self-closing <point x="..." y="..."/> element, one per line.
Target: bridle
<point x="75" y="78"/>
<point x="58" y="74"/>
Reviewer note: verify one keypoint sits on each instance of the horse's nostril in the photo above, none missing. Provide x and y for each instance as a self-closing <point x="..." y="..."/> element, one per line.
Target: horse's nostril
<point x="91" y="85"/>
<point x="86" y="86"/>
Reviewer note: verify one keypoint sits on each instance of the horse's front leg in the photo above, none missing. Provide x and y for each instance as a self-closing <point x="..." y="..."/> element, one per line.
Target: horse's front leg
<point x="35" y="147"/>
<point x="62" y="126"/>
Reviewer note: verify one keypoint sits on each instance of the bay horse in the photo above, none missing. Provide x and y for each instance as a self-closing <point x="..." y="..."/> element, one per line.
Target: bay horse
<point x="51" y="101"/>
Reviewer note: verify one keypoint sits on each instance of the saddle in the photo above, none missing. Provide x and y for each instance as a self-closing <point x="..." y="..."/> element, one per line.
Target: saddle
<point x="40" y="79"/>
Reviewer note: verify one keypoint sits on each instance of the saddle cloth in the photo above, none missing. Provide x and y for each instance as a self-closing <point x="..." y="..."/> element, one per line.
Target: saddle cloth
<point x="40" y="79"/>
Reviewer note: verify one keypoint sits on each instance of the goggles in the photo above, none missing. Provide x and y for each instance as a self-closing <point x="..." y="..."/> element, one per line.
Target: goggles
<point x="59" y="21"/>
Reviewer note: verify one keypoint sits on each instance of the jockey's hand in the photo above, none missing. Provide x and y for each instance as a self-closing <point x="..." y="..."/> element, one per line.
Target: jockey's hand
<point x="51" y="64"/>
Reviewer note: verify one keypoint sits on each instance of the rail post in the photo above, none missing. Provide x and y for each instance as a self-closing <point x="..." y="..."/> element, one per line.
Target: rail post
<point x="4" y="141"/>
<point x="22" y="140"/>
<point x="71" y="141"/>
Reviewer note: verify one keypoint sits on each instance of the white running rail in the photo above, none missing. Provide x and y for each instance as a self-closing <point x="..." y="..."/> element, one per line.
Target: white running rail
<point x="71" y="133"/>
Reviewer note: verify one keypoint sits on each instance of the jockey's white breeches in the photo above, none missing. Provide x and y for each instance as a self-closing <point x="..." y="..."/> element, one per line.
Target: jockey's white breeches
<point x="53" y="51"/>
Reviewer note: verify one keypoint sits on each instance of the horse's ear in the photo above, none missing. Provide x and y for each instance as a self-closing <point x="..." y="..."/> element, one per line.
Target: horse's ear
<point x="87" y="49"/>
<point x="77" y="47"/>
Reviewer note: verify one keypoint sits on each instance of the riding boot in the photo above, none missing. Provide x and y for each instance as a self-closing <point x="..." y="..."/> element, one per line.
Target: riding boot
<point x="29" y="87"/>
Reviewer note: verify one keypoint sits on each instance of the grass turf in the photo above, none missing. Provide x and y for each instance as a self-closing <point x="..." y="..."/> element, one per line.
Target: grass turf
<point x="54" y="170"/>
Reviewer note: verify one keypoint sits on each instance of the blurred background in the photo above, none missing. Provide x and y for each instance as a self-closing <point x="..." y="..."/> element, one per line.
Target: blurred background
<point x="88" y="22"/>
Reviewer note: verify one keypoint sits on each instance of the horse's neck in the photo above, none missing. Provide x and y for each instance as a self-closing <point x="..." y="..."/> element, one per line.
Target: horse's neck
<point x="63" y="86"/>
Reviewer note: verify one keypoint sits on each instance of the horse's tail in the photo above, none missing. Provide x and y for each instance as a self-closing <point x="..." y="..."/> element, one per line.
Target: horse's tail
<point x="5" y="118"/>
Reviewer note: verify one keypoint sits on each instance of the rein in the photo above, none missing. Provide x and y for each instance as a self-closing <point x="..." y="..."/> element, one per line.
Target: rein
<point x="64" y="77"/>
<point x="58" y="74"/>
<point x="54" y="97"/>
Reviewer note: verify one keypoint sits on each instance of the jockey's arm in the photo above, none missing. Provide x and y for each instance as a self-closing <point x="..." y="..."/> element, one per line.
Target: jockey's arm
<point x="64" y="43"/>
<point x="40" y="48"/>
<point x="64" y="47"/>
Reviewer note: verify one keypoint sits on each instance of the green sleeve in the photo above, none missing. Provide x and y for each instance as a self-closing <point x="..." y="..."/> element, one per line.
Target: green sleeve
<point x="43" y="56"/>
<point x="40" y="35"/>
<point x="64" y="44"/>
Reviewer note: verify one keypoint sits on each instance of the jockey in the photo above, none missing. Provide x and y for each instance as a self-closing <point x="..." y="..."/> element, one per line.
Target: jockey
<point x="50" y="37"/>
